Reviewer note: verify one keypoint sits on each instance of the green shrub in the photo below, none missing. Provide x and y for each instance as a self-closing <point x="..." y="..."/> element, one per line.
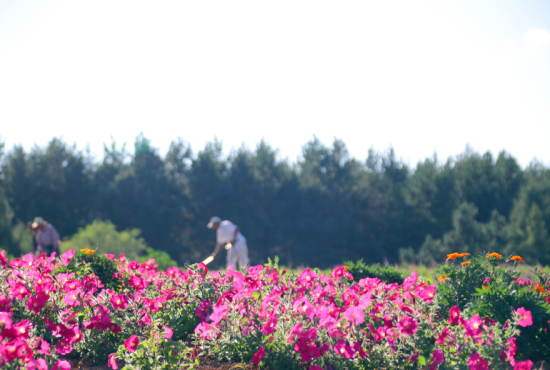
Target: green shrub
<point x="83" y="264"/>
<point x="491" y="288"/>
<point x="359" y="270"/>
<point x="103" y="237"/>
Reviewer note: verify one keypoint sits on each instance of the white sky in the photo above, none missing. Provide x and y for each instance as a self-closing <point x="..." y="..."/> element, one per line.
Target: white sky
<point x="422" y="76"/>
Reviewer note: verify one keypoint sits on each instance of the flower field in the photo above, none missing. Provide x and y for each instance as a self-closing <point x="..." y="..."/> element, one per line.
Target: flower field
<point x="480" y="315"/>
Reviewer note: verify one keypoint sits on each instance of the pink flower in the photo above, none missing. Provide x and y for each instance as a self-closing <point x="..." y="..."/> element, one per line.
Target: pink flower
<point x="168" y="332"/>
<point x="270" y="325"/>
<point x="20" y="291"/>
<point x="428" y="294"/>
<point x="415" y="356"/>
<point x="407" y="325"/>
<point x="473" y="326"/>
<point x="206" y="330"/>
<point x="307" y="277"/>
<point x="111" y="362"/>
<point x="477" y="363"/>
<point x="38" y="364"/>
<point x="344" y="350"/>
<point x="437" y="357"/>
<point x="22" y="329"/>
<point x="145" y="320"/>
<point x="67" y="257"/>
<point x="454" y="315"/>
<point x="315" y="367"/>
<point x="355" y="315"/>
<point x="9" y="350"/>
<point x="525" y="318"/>
<point x="62" y="364"/>
<point x="259" y="355"/>
<point x="219" y="313"/>
<point x="35" y="304"/>
<point x="359" y="349"/>
<point x="120" y="301"/>
<point x="443" y="336"/>
<point x="524" y="365"/>
<point x="63" y="347"/>
<point x="340" y="272"/>
<point x="131" y="343"/>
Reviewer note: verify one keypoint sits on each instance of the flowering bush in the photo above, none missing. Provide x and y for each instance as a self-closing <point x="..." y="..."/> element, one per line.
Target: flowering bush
<point x="490" y="286"/>
<point x="388" y="274"/>
<point x="267" y="316"/>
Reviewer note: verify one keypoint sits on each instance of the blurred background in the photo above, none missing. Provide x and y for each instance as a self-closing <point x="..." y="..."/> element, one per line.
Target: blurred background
<point x="390" y="131"/>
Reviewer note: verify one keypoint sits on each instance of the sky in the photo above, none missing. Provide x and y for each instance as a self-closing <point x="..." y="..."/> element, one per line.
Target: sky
<point x="422" y="77"/>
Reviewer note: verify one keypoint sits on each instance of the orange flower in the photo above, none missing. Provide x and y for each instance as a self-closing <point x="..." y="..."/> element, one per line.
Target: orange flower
<point x="466" y="263"/>
<point x="495" y="255"/>
<point x="442" y="278"/>
<point x="516" y="258"/>
<point x="346" y="267"/>
<point x="452" y="256"/>
<point x="87" y="251"/>
<point x="540" y="289"/>
<point x="463" y="254"/>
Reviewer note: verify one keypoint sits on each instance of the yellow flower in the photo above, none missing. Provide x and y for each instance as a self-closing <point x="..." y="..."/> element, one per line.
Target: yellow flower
<point x="442" y="278"/>
<point x="466" y="263"/>
<point x="84" y="250"/>
<point x="495" y="255"/>
<point x="516" y="258"/>
<point x="89" y="251"/>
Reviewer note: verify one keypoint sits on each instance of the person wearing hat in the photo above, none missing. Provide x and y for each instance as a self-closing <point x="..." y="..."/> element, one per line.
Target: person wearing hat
<point x="229" y="235"/>
<point x="46" y="238"/>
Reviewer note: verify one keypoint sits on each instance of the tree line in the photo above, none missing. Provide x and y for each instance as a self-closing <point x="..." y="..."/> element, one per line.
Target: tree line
<point x="324" y="209"/>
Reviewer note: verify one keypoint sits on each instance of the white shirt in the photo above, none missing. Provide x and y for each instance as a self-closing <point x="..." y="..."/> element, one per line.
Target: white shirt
<point x="226" y="232"/>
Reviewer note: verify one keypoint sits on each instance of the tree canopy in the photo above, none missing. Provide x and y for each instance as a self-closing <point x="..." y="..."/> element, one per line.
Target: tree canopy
<point x="324" y="209"/>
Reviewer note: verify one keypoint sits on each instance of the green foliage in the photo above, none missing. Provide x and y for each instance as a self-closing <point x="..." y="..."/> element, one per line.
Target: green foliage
<point x="326" y="207"/>
<point x="22" y="236"/>
<point x="467" y="235"/>
<point x="103" y="236"/>
<point x="491" y="288"/>
<point x="83" y="264"/>
<point x="162" y="259"/>
<point x="359" y="270"/>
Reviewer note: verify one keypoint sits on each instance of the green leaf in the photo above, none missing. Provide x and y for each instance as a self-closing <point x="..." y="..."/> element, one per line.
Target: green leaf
<point x="421" y="360"/>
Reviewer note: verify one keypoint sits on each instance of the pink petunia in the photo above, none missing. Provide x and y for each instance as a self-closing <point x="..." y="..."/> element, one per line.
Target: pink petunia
<point x="355" y="315"/>
<point x="131" y="343"/>
<point x="206" y="330"/>
<point x="259" y="355"/>
<point x="120" y="301"/>
<point x="36" y="303"/>
<point x="524" y="365"/>
<point x="168" y="332"/>
<point x="407" y="325"/>
<point x="67" y="257"/>
<point x="454" y="315"/>
<point x="428" y="294"/>
<point x="38" y="364"/>
<point x="270" y="325"/>
<point x="5" y="320"/>
<point x="525" y="317"/>
<point x="343" y="349"/>
<point x="473" y="326"/>
<point x="437" y="357"/>
<point x="477" y="363"/>
<point x="62" y="365"/>
<point x="111" y="362"/>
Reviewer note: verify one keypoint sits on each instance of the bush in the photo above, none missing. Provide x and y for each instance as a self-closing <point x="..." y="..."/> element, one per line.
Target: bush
<point x="103" y="236"/>
<point x="490" y="288"/>
<point x="84" y="263"/>
<point x="359" y="270"/>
